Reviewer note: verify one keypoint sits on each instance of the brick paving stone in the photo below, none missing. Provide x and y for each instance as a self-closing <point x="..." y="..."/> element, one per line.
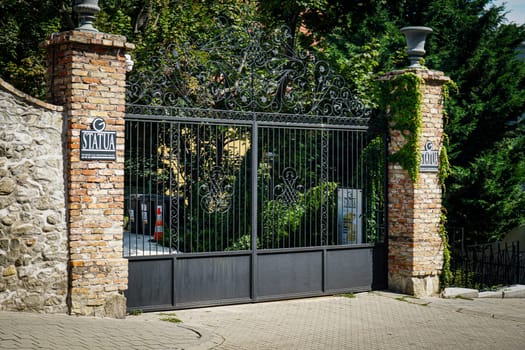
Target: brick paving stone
<point x="368" y="321"/>
<point x="57" y="332"/>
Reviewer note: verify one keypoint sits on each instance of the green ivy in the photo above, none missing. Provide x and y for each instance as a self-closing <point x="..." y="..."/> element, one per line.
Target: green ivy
<point x="402" y="99"/>
<point x="283" y="219"/>
<point x="445" y="170"/>
<point x="446" y="273"/>
<point x="374" y="158"/>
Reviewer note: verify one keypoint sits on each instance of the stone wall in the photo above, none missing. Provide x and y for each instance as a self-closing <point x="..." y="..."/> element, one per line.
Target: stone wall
<point x="33" y="232"/>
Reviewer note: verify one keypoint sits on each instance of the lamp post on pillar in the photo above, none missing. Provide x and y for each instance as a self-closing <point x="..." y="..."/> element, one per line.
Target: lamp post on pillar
<point x="86" y="10"/>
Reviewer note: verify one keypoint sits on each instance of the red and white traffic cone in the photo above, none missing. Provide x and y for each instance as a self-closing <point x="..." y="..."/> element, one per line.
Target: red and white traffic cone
<point x="159" y="229"/>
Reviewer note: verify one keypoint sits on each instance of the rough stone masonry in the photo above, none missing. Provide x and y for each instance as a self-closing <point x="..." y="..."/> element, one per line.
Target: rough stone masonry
<point x="33" y="232"/>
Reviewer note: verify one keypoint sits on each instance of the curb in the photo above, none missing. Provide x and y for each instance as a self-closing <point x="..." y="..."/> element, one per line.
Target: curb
<point x="208" y="340"/>
<point x="514" y="291"/>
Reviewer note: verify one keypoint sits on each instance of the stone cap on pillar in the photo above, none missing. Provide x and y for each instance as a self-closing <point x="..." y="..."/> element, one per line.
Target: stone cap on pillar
<point x="89" y="38"/>
<point x="426" y="74"/>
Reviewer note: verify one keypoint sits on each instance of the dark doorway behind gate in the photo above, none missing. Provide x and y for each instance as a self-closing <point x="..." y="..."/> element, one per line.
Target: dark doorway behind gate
<point x="251" y="175"/>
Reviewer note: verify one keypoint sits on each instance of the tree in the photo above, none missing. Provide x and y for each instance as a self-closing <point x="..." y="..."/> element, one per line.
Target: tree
<point x="478" y="51"/>
<point x="23" y="26"/>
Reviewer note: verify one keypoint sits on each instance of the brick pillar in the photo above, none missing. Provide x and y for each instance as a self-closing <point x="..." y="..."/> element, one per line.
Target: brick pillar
<point x="415" y="248"/>
<point x="86" y="75"/>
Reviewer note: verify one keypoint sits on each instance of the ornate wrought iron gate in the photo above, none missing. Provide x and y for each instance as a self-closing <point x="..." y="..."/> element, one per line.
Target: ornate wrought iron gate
<point x="251" y="174"/>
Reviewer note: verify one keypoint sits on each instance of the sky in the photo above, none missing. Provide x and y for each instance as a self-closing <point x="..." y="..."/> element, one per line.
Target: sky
<point x="516" y="10"/>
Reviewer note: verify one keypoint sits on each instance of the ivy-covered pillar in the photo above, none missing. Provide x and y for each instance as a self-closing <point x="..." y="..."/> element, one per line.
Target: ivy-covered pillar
<point x="413" y="101"/>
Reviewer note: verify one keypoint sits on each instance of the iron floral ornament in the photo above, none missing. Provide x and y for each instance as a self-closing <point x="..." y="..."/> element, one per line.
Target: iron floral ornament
<point x="288" y="191"/>
<point x="216" y="194"/>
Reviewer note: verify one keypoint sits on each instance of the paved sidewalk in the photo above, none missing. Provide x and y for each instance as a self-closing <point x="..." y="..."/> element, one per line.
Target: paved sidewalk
<point x="61" y="332"/>
<point x="376" y="320"/>
<point x="368" y="321"/>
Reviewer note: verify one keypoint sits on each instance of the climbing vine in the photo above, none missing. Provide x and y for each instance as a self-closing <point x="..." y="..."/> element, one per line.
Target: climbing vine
<point x="446" y="273"/>
<point x="402" y="99"/>
<point x="445" y="171"/>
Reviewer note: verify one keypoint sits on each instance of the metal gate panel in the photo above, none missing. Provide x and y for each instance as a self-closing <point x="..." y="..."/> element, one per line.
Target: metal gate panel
<point x="150" y="283"/>
<point x="288" y="274"/>
<point x="349" y="267"/>
<point x="200" y="251"/>
<point x="212" y="280"/>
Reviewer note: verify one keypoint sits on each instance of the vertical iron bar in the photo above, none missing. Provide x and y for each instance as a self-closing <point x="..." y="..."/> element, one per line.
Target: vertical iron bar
<point x="504" y="258"/>
<point x="159" y="185"/>
<point x="345" y="178"/>
<point x="245" y="196"/>
<point x="145" y="226"/>
<point x="206" y="215"/>
<point x="138" y="224"/>
<point x="255" y="151"/>
<point x="306" y="184"/>
<point x="361" y="172"/>
<point x="195" y="203"/>
<point x="385" y="192"/>
<point x="221" y="244"/>
<point x="172" y="211"/>
<point x="309" y="149"/>
<point x="254" y="166"/>
<point x="131" y="220"/>
<point x="319" y="182"/>
<point x="517" y="263"/>
<point x="296" y="166"/>
<point x="235" y="158"/>
<point x="332" y="176"/>
<point x="273" y="179"/>
<point x="324" y="194"/>
<point x="275" y="242"/>
<point x="206" y="234"/>
<point x="221" y="163"/>
<point x="263" y="134"/>
<point x="186" y="164"/>
<point x="180" y="197"/>
<point x="127" y="188"/>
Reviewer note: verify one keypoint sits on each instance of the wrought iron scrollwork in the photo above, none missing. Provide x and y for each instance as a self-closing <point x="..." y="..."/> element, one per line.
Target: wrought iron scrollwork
<point x="288" y="191"/>
<point x="174" y="168"/>
<point x="216" y="194"/>
<point x="244" y="69"/>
